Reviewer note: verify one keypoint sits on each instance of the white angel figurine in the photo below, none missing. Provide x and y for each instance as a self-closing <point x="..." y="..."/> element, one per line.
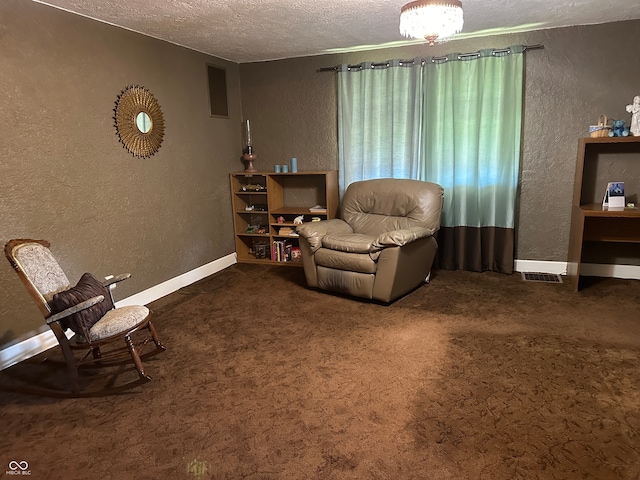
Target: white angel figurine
<point x="634" y="110"/>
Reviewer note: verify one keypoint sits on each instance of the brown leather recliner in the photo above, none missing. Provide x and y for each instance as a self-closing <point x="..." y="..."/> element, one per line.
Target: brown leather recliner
<point x="382" y="247"/>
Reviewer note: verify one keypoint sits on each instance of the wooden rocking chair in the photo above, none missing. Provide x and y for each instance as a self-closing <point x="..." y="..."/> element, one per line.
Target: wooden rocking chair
<point x="108" y="344"/>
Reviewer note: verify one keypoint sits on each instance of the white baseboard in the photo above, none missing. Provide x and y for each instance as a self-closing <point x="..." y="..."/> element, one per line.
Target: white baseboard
<point x="613" y="271"/>
<point x="588" y="269"/>
<point x="27" y="348"/>
<point x="165" y="288"/>
<point x="43" y="341"/>
<point x="559" y="268"/>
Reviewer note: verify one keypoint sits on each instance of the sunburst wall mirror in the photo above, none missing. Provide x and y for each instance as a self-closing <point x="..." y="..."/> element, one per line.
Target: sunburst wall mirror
<point x="139" y="122"/>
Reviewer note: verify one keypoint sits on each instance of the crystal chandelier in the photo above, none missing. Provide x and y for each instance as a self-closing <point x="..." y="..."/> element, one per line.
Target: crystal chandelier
<point x="432" y="20"/>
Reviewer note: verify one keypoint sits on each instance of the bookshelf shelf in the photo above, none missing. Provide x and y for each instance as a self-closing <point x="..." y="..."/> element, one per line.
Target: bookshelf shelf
<point x="284" y="196"/>
<point x="601" y="160"/>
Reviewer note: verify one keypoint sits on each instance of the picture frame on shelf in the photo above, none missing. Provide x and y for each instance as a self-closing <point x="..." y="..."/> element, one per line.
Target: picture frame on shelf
<point x="614" y="197"/>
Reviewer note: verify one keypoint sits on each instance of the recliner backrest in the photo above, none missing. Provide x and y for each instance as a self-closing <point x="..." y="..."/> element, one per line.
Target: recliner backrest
<point x="381" y="205"/>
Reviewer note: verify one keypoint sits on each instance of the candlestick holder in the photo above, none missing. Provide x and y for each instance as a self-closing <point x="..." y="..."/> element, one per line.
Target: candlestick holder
<point x="249" y="157"/>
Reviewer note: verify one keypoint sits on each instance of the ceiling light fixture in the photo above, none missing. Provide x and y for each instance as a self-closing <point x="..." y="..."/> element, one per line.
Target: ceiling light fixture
<point x="433" y="20"/>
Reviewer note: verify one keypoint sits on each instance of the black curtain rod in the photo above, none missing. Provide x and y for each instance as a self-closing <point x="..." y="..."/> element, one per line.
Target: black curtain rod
<point x="434" y="59"/>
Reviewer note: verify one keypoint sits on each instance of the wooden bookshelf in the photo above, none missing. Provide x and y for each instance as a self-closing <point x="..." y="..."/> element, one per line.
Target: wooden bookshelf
<point x="264" y="203"/>
<point x="601" y="160"/>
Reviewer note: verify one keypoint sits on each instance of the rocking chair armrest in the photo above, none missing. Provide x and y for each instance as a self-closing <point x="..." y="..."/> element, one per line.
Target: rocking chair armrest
<point x="116" y="279"/>
<point x="74" y="309"/>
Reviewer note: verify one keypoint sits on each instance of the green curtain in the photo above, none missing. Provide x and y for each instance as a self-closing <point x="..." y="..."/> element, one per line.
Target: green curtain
<point x="380" y="121"/>
<point x="456" y="122"/>
<point x="472" y="123"/>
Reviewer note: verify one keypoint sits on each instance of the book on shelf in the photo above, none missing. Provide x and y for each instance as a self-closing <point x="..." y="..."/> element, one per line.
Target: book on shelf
<point x="285" y="231"/>
<point x="282" y="251"/>
<point x="318" y="209"/>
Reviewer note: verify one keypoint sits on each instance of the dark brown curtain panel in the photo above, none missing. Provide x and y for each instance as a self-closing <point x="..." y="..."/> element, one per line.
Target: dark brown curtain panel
<point x="476" y="249"/>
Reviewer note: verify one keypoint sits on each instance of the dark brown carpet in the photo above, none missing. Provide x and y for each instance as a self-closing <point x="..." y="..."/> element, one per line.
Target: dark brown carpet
<point x="474" y="376"/>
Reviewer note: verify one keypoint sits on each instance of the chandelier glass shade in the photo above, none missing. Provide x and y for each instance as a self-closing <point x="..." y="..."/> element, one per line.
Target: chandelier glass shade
<point x="433" y="20"/>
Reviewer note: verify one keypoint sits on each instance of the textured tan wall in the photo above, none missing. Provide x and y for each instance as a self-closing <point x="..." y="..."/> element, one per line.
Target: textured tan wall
<point x="582" y="72"/>
<point x="292" y="110"/>
<point x="65" y="177"/>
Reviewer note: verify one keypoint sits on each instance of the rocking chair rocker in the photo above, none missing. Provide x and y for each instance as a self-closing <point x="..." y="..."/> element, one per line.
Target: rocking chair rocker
<point x="88" y="301"/>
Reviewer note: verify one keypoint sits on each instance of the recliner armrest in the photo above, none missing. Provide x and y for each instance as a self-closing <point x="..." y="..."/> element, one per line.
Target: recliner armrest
<point x="314" y="231"/>
<point x="398" y="238"/>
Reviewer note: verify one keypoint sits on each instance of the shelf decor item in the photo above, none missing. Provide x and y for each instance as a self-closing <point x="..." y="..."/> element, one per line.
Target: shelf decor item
<point x="614" y="196"/>
<point x="318" y="209"/>
<point x="601" y="129"/>
<point x="249" y="157"/>
<point x="634" y="110"/>
<point x="285" y="231"/>
<point x="618" y="129"/>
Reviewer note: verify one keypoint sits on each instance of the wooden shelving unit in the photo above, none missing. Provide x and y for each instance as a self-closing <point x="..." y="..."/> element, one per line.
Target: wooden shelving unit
<point x="602" y="160"/>
<point x="264" y="203"/>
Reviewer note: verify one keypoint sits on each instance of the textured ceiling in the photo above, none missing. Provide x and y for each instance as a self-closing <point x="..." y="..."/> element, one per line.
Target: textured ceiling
<point x="257" y="30"/>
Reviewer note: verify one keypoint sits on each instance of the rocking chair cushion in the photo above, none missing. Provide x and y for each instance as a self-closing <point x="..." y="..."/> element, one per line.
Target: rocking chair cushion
<point x="88" y="287"/>
<point x="117" y="321"/>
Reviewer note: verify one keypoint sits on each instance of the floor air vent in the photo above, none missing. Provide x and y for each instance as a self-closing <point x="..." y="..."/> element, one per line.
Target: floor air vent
<point x="541" y="277"/>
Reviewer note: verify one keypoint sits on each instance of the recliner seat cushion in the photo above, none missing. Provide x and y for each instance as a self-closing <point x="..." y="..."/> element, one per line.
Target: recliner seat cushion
<point x="314" y="232"/>
<point x="355" y="262"/>
<point x="349" y="242"/>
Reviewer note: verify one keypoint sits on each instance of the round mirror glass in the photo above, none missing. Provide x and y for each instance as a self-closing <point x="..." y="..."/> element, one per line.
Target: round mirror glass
<point x="143" y="122"/>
